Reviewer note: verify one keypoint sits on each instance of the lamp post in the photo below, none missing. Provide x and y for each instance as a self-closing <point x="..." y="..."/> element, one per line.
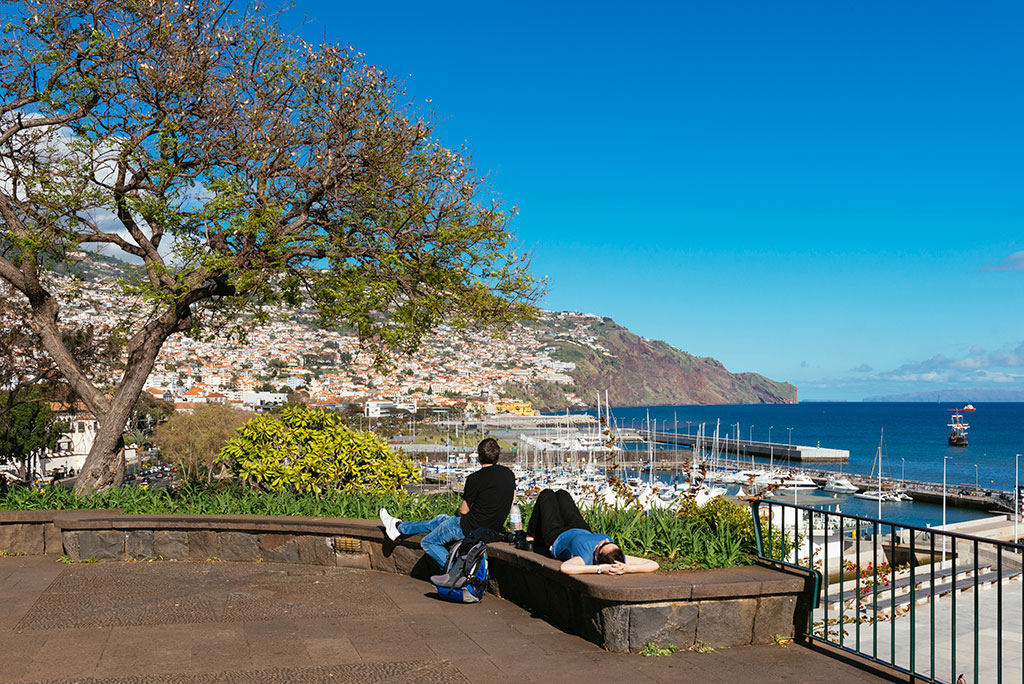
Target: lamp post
<point x="976" y="487"/>
<point x="1016" y="496"/>
<point x="688" y="424"/>
<point x="944" y="459"/>
<point x="790" y="436"/>
<point x="903" y="471"/>
<point x="750" y="435"/>
<point x="771" y="449"/>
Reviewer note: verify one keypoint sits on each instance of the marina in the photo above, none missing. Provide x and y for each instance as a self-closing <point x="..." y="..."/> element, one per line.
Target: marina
<point x="661" y="456"/>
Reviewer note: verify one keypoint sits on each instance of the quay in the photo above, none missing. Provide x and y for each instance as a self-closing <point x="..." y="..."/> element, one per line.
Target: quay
<point x="742" y="447"/>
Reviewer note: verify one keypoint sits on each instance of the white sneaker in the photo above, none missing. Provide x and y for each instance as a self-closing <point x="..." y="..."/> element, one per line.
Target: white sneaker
<point x="390" y="524"/>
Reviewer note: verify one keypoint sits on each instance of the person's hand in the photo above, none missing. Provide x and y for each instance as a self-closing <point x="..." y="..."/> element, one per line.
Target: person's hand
<point x="617" y="568"/>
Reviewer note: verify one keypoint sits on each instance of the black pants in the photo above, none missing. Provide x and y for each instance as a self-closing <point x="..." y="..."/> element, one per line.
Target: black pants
<point x="553" y="514"/>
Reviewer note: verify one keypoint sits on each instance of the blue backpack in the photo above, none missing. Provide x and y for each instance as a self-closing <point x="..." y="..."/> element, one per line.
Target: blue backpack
<point x="468" y="567"/>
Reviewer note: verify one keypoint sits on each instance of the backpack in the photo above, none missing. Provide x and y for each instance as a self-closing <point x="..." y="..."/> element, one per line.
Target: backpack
<point x="467" y="563"/>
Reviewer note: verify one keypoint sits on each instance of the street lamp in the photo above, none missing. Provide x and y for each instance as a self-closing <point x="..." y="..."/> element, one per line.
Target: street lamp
<point x="790" y="436"/>
<point x="688" y="423"/>
<point x="1016" y="496"/>
<point x="750" y="435"/>
<point x="903" y="472"/>
<point x="944" y="459"/>
<point x="976" y="487"/>
<point x="771" y="449"/>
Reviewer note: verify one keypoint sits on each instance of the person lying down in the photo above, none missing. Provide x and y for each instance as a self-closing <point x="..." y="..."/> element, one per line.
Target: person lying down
<point x="557" y="527"/>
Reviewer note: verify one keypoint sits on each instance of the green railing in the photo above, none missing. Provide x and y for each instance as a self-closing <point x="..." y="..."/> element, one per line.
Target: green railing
<point x="929" y="603"/>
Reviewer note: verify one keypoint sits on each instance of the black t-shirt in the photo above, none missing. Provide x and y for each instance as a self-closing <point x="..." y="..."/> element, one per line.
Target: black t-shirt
<point x="489" y="493"/>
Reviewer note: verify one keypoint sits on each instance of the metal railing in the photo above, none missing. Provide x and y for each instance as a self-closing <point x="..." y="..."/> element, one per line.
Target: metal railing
<point x="926" y="602"/>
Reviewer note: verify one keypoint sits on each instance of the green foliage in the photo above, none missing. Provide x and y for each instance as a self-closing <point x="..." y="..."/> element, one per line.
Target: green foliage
<point x="26" y="425"/>
<point x="232" y="499"/>
<point x="652" y="649"/>
<point x="310" y="450"/>
<point x="717" y="535"/>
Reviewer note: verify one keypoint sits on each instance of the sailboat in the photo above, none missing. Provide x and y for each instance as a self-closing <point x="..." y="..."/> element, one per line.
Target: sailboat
<point x="958" y="428"/>
<point x="878" y="494"/>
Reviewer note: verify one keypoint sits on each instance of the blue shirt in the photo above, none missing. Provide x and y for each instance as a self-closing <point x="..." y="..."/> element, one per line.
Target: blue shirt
<point x="577" y="542"/>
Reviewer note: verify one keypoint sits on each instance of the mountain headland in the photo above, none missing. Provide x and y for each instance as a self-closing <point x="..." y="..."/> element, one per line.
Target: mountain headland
<point x="640" y="372"/>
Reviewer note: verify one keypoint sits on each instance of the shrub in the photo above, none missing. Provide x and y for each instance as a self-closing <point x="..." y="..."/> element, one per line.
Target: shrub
<point x="310" y="450"/>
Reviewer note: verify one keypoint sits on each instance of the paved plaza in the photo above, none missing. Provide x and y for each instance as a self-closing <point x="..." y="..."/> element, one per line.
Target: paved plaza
<point x="157" y="622"/>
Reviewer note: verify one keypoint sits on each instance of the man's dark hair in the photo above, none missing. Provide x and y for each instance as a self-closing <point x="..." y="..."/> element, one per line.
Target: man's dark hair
<point x="611" y="555"/>
<point x="488" y="451"/>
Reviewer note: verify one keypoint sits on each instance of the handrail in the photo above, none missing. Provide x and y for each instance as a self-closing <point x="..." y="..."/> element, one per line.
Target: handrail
<point x="873" y="571"/>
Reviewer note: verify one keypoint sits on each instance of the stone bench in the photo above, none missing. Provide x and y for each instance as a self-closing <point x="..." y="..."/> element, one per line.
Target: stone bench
<point x="729" y="607"/>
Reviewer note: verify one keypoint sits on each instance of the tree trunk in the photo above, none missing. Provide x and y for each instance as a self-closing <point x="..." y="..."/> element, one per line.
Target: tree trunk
<point x="104" y="466"/>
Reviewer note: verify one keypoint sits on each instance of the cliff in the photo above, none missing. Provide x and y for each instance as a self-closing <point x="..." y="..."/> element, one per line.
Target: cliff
<point x="639" y="372"/>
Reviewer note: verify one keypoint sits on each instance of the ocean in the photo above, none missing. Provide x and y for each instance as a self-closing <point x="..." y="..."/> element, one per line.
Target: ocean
<point x="915" y="441"/>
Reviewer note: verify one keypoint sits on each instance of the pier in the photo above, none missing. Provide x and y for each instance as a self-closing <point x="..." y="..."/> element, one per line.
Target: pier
<point x="741" y="447"/>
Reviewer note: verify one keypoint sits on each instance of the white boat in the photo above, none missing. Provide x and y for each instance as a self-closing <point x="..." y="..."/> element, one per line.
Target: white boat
<point x="879" y="495"/>
<point x="797" y="482"/>
<point x="840" y="485"/>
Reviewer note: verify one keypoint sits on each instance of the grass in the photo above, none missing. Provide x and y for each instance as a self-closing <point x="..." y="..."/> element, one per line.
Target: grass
<point x="716" y="536"/>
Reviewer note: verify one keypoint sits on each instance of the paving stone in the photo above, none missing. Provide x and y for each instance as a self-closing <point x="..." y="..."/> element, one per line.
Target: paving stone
<point x="409" y="672"/>
<point x="279" y="548"/>
<point x="726" y="623"/>
<point x="70" y="544"/>
<point x="222" y="623"/>
<point x="170" y="544"/>
<point x="315" y="550"/>
<point x="138" y="544"/>
<point x="204" y="545"/>
<point x="26" y="539"/>
<point x="239" y="546"/>
<point x="616" y="627"/>
<point x="125" y="594"/>
<point x="774" y="617"/>
<point x="101" y="544"/>
<point x="53" y="541"/>
<point x="662" y="624"/>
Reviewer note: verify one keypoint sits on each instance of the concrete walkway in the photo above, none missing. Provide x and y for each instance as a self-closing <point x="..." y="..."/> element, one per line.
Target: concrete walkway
<point x="159" y="622"/>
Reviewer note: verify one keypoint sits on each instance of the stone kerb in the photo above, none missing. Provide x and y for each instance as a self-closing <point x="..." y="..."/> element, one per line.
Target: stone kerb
<point x="729" y="607"/>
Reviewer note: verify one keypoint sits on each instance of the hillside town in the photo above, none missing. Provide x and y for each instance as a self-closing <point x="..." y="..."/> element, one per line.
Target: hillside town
<point x="290" y="353"/>
<point x="290" y="357"/>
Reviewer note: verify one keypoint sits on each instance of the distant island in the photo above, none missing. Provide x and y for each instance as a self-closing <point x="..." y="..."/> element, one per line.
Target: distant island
<point x="954" y="396"/>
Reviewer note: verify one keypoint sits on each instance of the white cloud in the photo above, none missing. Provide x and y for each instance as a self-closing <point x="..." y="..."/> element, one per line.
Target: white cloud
<point x="1013" y="262"/>
<point x="977" y="366"/>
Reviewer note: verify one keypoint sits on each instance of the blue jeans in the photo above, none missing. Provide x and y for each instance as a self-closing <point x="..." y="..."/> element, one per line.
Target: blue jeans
<point x="441" y="531"/>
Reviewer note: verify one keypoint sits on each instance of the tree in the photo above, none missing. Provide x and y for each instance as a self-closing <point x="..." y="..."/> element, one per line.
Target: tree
<point x="310" y="450"/>
<point x="192" y="440"/>
<point x="242" y="168"/>
<point x="28" y="426"/>
<point x="149" y="411"/>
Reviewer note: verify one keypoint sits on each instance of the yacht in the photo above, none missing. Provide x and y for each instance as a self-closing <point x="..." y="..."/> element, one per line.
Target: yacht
<point x="880" y="495"/>
<point x="797" y="482"/>
<point x="840" y="485"/>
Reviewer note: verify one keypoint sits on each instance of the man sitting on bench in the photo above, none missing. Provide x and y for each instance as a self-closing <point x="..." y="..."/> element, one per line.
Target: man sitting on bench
<point x="486" y="500"/>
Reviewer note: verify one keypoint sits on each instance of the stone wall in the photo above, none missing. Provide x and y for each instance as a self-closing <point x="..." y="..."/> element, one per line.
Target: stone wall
<point x="729" y="607"/>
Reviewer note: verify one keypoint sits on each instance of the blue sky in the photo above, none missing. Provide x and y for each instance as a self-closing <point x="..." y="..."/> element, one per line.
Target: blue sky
<point x="826" y="193"/>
